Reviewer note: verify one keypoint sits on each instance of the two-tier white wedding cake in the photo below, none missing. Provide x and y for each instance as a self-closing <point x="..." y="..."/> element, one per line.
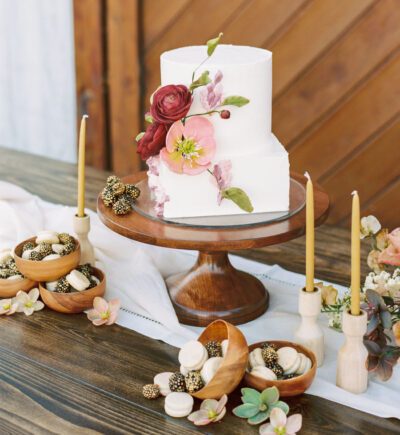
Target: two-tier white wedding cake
<point x="258" y="163"/>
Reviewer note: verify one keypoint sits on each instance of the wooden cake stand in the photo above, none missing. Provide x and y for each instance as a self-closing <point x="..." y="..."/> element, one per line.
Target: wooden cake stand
<point x="213" y="288"/>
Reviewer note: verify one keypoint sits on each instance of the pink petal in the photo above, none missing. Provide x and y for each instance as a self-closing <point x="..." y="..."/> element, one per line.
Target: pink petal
<point x="34" y="294"/>
<point x="2" y="311"/>
<point x="13" y="309"/>
<point x="175" y="132"/>
<point x="192" y="168"/>
<point x="221" y="404"/>
<point x="390" y="256"/>
<point x="28" y="310"/>
<point x="198" y="415"/>
<point x="99" y="322"/>
<point x="267" y="429"/>
<point x="100" y="305"/>
<point x="207" y="152"/>
<point x="112" y="318"/>
<point x="198" y="127"/>
<point x="277" y="417"/>
<point x="209" y="404"/>
<point x="221" y="415"/>
<point x="293" y="424"/>
<point x="202" y="422"/>
<point x="114" y="305"/>
<point x="172" y="160"/>
<point x="93" y="315"/>
<point x="394" y="238"/>
<point x="22" y="297"/>
<point x="38" y="305"/>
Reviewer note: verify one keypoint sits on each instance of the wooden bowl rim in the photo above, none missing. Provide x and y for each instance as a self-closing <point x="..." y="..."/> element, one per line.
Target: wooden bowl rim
<point x="18" y="251"/>
<point x="14" y="285"/>
<point x="224" y="360"/>
<point x="97" y="271"/>
<point x="305" y="350"/>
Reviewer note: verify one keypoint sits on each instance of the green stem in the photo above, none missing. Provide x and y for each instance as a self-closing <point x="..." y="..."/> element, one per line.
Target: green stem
<point x="200" y="114"/>
<point x="198" y="66"/>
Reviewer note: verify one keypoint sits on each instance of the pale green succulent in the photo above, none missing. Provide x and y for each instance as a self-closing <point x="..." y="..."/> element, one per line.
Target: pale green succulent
<point x="257" y="406"/>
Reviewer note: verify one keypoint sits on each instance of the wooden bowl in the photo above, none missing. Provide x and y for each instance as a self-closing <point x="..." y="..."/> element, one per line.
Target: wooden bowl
<point x="10" y="287"/>
<point x="46" y="270"/>
<point x="234" y="364"/>
<point x="288" y="387"/>
<point x="75" y="302"/>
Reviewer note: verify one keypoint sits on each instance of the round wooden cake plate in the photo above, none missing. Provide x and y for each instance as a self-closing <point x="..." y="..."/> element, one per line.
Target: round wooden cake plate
<point x="213" y="288"/>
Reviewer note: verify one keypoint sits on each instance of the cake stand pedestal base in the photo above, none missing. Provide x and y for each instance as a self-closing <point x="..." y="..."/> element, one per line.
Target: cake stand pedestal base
<point x="214" y="289"/>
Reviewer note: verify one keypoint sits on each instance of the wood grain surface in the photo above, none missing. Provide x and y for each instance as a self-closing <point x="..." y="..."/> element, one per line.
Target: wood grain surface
<point x="51" y="363"/>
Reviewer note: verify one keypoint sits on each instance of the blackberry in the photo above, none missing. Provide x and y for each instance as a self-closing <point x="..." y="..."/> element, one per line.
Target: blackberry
<point x="193" y="381"/>
<point x="112" y="179"/>
<point x="132" y="191"/>
<point x="108" y="196"/>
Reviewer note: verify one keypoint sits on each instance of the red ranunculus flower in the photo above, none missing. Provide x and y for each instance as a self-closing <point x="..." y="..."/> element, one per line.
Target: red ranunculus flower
<point x="170" y="103"/>
<point x="152" y="141"/>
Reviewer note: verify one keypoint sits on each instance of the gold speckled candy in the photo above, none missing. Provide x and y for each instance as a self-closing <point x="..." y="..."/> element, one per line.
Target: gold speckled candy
<point x="86" y="269"/>
<point x="112" y="179"/>
<point x="132" y="191"/>
<point x="269" y="355"/>
<point x="66" y="238"/>
<point x="266" y="344"/>
<point x="45" y="249"/>
<point x="151" y="391"/>
<point x="108" y="196"/>
<point x="121" y="207"/>
<point x="63" y="286"/>
<point x="214" y="348"/>
<point x="27" y="246"/>
<point x="276" y="368"/>
<point x="118" y="188"/>
<point x="35" y="256"/>
<point x="193" y="381"/>
<point x="177" y="382"/>
<point x="68" y="248"/>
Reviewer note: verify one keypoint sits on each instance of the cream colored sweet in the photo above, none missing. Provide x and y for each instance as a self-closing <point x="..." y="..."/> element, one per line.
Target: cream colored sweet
<point x="51" y="257"/>
<point x="255" y="358"/>
<point x="77" y="280"/>
<point x="260" y="164"/>
<point x="162" y="380"/>
<point x="287" y="357"/>
<point x="264" y="373"/>
<point x="224" y="346"/>
<point x="178" y="404"/>
<point x="5" y="254"/>
<point x="193" y="355"/>
<point x="47" y="237"/>
<point x="210" y="367"/>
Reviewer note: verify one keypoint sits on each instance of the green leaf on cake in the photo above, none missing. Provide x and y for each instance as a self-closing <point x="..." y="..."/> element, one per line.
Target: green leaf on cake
<point x="139" y="136"/>
<point x="149" y="118"/>
<point x="204" y="79"/>
<point x="239" y="197"/>
<point x="212" y="44"/>
<point x="235" y="100"/>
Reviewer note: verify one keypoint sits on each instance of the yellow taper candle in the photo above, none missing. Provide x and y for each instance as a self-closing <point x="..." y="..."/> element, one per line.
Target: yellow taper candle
<point x="309" y="235"/>
<point x="81" y="168"/>
<point x="355" y="255"/>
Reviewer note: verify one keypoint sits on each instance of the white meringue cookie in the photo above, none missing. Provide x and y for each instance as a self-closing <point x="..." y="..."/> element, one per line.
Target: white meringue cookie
<point x="256" y="358"/>
<point x="51" y="257"/>
<point x="162" y="380"/>
<point x="178" y="404"/>
<point x="193" y="355"/>
<point x="210" y="367"/>
<point x="78" y="280"/>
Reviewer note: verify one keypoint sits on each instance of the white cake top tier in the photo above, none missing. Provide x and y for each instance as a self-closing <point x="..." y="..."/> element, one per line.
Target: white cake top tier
<point x="247" y="71"/>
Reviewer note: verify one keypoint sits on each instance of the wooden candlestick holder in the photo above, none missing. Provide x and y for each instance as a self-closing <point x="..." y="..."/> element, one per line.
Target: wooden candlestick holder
<point x="309" y="333"/>
<point x="82" y="228"/>
<point x="352" y="374"/>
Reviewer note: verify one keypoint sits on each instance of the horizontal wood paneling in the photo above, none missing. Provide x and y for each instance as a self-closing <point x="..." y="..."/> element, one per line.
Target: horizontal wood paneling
<point x="335" y="82"/>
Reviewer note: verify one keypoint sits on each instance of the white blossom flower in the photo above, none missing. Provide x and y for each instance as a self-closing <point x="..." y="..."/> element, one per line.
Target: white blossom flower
<point x="28" y="302"/>
<point x="369" y="226"/>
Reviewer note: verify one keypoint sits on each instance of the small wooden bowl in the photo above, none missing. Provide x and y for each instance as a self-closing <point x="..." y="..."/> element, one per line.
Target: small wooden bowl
<point x="75" y="302"/>
<point x="10" y="287"/>
<point x="233" y="366"/>
<point x="46" y="270"/>
<point x="288" y="387"/>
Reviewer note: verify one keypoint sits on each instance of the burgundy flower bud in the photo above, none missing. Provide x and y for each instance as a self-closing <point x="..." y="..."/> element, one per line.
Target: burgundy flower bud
<point x="225" y="114"/>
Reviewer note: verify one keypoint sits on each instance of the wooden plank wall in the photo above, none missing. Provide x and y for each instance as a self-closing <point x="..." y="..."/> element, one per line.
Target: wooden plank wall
<point x="336" y="86"/>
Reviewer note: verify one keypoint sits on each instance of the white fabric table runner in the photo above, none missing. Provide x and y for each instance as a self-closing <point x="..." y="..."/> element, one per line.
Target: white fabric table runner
<point x="135" y="273"/>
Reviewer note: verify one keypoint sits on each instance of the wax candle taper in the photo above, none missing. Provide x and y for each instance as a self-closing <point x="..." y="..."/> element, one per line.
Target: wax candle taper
<point x="309" y="234"/>
<point x="81" y="168"/>
<point x="355" y="255"/>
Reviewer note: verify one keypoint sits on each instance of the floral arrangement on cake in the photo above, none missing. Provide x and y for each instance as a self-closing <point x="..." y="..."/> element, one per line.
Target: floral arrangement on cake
<point x="380" y="296"/>
<point x="185" y="143"/>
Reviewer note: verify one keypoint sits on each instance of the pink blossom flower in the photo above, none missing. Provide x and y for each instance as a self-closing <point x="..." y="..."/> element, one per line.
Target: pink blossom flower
<point x="391" y="255"/>
<point x="8" y="307"/>
<point x="190" y="147"/>
<point x="280" y="424"/>
<point x="155" y="186"/>
<point x="222" y="177"/>
<point x="104" y="313"/>
<point x="211" y="95"/>
<point x="210" y="411"/>
<point x="28" y="302"/>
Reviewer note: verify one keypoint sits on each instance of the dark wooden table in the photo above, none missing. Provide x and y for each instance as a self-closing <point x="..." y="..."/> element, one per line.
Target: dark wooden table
<point x="60" y="374"/>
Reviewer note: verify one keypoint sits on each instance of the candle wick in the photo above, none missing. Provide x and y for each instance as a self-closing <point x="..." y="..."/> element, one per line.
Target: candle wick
<point x="354" y="192"/>
<point x="85" y="116"/>
<point x="307" y="175"/>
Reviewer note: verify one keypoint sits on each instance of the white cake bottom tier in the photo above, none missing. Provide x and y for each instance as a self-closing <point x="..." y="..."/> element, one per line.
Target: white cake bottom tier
<point x="263" y="176"/>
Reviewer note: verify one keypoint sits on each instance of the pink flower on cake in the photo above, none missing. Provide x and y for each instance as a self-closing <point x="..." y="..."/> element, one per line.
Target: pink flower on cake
<point x="170" y="103"/>
<point x="211" y="95"/>
<point x="153" y="173"/>
<point x="190" y="147"/>
<point x="8" y="307"/>
<point x="222" y="177"/>
<point x="391" y="255"/>
<point x="104" y="313"/>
